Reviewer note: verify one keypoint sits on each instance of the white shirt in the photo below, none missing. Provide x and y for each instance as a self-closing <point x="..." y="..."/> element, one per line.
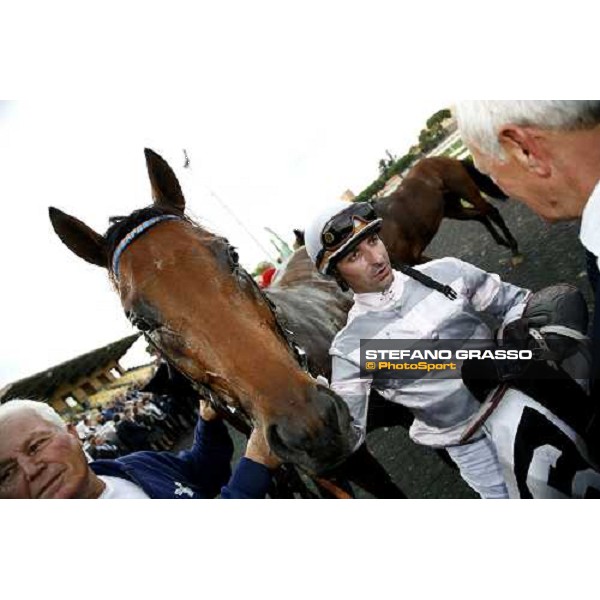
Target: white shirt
<point x="589" y="234"/>
<point x="121" y="489"/>
<point x="409" y="310"/>
<point x="82" y="430"/>
<point x="107" y="432"/>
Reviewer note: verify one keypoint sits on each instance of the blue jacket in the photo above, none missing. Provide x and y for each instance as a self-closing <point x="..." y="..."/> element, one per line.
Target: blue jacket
<point x="200" y="472"/>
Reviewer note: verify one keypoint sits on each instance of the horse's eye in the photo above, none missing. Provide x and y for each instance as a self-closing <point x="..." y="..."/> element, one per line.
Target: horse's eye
<point x="143" y="323"/>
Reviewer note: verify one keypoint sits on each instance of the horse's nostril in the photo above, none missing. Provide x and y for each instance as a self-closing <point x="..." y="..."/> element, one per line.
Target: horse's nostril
<point x="317" y="442"/>
<point x="143" y="316"/>
<point x="285" y="437"/>
<point x="335" y="411"/>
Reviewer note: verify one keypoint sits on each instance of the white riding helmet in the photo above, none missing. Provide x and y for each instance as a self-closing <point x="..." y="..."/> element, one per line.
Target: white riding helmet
<point x="355" y="220"/>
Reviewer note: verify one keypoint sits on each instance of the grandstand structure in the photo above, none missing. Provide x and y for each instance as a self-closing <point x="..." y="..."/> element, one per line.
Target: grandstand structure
<point x="84" y="381"/>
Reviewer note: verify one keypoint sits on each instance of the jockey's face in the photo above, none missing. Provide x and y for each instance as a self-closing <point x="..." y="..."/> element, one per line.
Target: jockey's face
<point x="367" y="268"/>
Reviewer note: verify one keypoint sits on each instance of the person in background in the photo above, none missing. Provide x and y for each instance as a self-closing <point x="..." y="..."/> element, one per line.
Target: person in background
<point x="266" y="273"/>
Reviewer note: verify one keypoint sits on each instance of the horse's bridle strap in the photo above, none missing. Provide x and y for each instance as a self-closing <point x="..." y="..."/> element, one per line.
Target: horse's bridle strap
<point x="134" y="234"/>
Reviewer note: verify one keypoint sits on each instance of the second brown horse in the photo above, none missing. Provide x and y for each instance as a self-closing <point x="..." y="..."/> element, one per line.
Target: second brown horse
<point x="432" y="190"/>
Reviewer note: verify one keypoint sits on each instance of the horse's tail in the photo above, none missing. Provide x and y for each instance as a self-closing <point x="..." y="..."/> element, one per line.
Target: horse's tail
<point x="483" y="182"/>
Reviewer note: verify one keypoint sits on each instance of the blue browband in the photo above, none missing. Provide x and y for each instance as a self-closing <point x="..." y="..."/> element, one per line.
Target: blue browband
<point x="132" y="235"/>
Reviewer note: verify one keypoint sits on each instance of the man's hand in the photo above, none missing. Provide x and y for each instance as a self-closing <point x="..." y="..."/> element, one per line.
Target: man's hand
<point x="207" y="412"/>
<point x="258" y="450"/>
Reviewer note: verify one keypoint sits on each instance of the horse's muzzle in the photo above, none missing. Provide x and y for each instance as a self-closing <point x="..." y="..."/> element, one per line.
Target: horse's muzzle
<point x="319" y="440"/>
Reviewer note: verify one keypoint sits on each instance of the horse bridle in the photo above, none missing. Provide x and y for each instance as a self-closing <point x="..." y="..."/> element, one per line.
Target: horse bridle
<point x="148" y="327"/>
<point x="135" y="233"/>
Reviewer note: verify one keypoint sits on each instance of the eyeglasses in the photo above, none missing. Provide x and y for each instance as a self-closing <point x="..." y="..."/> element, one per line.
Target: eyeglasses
<point x="341" y="227"/>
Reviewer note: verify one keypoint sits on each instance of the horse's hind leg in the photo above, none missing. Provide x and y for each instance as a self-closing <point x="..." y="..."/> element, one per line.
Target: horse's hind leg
<point x="486" y="214"/>
<point x="460" y="213"/>
<point x="501" y="241"/>
<point x="465" y="187"/>
<point x="496" y="217"/>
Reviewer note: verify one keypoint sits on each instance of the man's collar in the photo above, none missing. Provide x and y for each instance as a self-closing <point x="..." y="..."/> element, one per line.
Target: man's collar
<point x="382" y="300"/>
<point x="590" y="222"/>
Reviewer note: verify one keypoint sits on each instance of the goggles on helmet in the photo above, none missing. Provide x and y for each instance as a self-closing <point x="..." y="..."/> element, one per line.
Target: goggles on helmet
<point x="344" y="227"/>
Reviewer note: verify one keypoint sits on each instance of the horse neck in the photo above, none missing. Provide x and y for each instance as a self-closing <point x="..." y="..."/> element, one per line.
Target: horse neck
<point x="313" y="314"/>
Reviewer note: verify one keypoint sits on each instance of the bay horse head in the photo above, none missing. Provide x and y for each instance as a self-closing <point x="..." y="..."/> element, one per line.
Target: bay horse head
<point x="182" y="285"/>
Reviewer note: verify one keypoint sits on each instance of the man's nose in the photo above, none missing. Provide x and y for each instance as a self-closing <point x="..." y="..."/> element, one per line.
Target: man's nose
<point x="374" y="256"/>
<point x="31" y="466"/>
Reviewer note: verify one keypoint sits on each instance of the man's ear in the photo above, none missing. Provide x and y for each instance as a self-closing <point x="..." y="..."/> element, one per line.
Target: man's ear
<point x="522" y="144"/>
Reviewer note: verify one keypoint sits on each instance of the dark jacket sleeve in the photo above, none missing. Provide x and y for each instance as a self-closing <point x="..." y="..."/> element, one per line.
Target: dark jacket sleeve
<point x="251" y="480"/>
<point x="209" y="459"/>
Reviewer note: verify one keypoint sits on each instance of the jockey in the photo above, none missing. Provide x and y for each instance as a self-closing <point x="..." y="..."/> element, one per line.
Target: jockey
<point x="441" y="299"/>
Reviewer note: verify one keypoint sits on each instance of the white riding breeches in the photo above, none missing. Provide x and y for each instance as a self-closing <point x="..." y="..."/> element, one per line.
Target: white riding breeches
<point x="479" y="467"/>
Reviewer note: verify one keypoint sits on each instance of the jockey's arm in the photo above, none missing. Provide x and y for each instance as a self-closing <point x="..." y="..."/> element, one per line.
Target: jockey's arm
<point x="489" y="294"/>
<point x="347" y="383"/>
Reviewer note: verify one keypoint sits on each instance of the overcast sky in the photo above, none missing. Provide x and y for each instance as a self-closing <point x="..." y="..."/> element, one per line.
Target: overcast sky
<point x="272" y="159"/>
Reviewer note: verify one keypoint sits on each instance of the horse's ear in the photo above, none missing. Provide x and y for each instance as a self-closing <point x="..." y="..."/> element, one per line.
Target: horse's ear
<point x="299" y="237"/>
<point x="79" y="238"/>
<point x="166" y="190"/>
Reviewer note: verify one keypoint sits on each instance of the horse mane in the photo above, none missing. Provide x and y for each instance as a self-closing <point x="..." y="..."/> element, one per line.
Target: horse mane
<point x="121" y="226"/>
<point x="312" y="308"/>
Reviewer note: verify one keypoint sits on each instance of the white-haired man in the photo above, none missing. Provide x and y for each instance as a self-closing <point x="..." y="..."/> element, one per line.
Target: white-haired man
<point x="41" y="457"/>
<point x="439" y="300"/>
<point x="545" y="153"/>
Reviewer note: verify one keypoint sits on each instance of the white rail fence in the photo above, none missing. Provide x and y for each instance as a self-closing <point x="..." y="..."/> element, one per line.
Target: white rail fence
<point x="452" y="146"/>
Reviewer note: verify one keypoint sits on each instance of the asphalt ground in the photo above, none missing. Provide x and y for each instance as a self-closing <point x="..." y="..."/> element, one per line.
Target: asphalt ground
<point x="552" y="254"/>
